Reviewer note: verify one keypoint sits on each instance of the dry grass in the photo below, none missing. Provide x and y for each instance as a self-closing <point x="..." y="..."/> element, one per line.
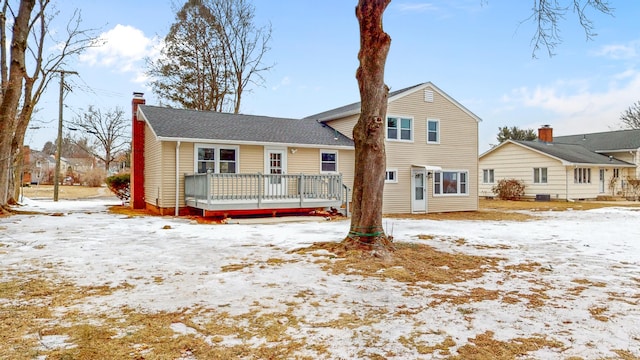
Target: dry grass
<point x="65" y="192"/>
<point x="410" y="263"/>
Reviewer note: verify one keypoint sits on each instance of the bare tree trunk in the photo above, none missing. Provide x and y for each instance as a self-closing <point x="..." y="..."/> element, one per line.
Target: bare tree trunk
<point x="370" y="159"/>
<point x="11" y="95"/>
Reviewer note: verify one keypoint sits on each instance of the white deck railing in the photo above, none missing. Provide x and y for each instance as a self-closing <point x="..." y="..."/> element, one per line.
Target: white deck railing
<point x="220" y="191"/>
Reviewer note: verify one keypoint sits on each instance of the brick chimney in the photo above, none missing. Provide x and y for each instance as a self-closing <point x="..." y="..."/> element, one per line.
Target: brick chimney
<point x="137" y="154"/>
<point x="545" y="134"/>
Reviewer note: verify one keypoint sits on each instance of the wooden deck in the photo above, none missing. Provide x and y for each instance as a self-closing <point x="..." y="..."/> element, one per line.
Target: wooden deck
<point x="228" y="192"/>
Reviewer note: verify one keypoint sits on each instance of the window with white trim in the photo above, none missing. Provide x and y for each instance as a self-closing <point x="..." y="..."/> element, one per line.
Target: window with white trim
<point x="488" y="176"/>
<point x="221" y="159"/>
<point x="616" y="173"/>
<point x="399" y="128"/>
<point x="582" y="176"/>
<point x="450" y="183"/>
<point x="433" y="131"/>
<point x="328" y="161"/>
<point x="539" y="175"/>
<point x="391" y="176"/>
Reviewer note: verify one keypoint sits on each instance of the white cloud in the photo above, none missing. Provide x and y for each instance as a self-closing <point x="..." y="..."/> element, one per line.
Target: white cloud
<point x="120" y="48"/>
<point x="620" y="51"/>
<point x="580" y="106"/>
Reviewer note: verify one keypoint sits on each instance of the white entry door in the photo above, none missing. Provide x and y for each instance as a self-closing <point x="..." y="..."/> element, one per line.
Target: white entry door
<point x="418" y="191"/>
<point x="601" y="181"/>
<point x="275" y="163"/>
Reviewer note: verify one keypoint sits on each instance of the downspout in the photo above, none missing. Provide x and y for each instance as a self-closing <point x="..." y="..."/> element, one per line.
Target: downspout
<point x="177" y="178"/>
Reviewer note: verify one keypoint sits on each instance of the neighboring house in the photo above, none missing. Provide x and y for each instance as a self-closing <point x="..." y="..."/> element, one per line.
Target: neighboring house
<point x="574" y="167"/>
<point x="228" y="163"/>
<point x="38" y="167"/>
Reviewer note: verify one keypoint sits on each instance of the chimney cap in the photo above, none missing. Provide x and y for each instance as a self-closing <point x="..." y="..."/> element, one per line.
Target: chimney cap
<point x="545" y="126"/>
<point x="138" y="94"/>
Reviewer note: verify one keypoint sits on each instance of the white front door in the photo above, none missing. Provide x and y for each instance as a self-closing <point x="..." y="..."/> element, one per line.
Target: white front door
<point x="275" y="163"/>
<point x="418" y="191"/>
<point x="601" y="181"/>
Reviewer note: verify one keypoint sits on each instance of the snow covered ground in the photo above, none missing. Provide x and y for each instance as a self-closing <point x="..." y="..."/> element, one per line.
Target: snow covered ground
<point x="588" y="276"/>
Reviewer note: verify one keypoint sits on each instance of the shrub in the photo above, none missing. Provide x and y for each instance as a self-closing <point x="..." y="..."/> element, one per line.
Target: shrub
<point x="94" y="177"/>
<point x="509" y="189"/>
<point x="119" y="185"/>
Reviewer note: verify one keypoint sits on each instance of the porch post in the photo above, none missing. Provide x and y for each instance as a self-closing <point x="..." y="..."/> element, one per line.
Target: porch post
<point x="260" y="180"/>
<point x="208" y="185"/>
<point x="301" y="188"/>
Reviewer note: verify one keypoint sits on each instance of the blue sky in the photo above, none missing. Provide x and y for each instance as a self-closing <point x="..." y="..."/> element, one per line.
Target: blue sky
<point x="477" y="51"/>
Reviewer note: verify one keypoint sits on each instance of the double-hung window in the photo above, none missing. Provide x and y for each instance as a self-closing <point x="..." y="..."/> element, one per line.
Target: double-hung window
<point x="451" y="183"/>
<point x="582" y="176"/>
<point x="216" y="158"/>
<point x="539" y="175"/>
<point x="399" y="128"/>
<point x="433" y="131"/>
<point x="488" y="176"/>
<point x="328" y="161"/>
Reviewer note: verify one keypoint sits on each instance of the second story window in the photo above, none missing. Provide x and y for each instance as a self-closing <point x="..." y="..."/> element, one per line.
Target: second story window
<point x="433" y="131"/>
<point x="399" y="128"/>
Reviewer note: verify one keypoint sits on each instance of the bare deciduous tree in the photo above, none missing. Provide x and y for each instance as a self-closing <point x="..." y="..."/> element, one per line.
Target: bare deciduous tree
<point x="210" y="55"/>
<point x="547" y="15"/>
<point x="631" y="117"/>
<point x="12" y="90"/>
<point x="30" y="84"/>
<point x="109" y="132"/>
<point x="243" y="43"/>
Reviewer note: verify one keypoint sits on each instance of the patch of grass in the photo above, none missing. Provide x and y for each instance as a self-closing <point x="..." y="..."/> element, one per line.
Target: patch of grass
<point x="65" y="192"/>
<point x="484" y="346"/>
<point x="410" y="263"/>
<point x="415" y="341"/>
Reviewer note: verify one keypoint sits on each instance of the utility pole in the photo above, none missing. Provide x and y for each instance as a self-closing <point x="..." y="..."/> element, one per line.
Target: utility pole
<point x="56" y="174"/>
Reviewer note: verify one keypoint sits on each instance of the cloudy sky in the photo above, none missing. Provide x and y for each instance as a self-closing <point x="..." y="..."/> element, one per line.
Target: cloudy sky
<point x="479" y="52"/>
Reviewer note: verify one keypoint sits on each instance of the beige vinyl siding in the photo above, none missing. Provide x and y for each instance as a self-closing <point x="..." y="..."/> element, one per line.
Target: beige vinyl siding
<point x="456" y="151"/>
<point x="251" y="159"/>
<point x="345" y="125"/>
<point x="153" y="167"/>
<point x="305" y="160"/>
<point x="513" y="161"/>
<point x="585" y="191"/>
<point x="186" y="167"/>
<point x="167" y="193"/>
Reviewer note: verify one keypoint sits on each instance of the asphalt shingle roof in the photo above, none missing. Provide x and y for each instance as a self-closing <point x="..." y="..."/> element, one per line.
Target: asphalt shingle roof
<point x="183" y="124"/>
<point x="604" y="141"/>
<point x="576" y="154"/>
<point x="354" y="107"/>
